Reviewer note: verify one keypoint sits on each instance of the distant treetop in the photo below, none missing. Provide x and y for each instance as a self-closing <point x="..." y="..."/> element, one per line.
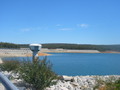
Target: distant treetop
<point x="65" y="46"/>
<point x="8" y="45"/>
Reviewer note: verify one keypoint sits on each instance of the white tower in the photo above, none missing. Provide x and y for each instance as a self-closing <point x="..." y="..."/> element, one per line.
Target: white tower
<point x="35" y="48"/>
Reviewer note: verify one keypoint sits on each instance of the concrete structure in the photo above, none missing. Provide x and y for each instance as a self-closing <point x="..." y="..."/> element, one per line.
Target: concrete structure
<point x="35" y="48"/>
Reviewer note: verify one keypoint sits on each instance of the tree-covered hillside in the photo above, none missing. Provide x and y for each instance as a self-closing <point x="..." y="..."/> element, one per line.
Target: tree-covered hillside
<point x="66" y="46"/>
<point x="8" y="45"/>
<point x="83" y="47"/>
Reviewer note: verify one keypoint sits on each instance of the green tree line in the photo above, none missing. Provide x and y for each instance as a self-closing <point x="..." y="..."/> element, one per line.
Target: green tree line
<point x="8" y="45"/>
<point x="66" y="46"/>
<point x="83" y="47"/>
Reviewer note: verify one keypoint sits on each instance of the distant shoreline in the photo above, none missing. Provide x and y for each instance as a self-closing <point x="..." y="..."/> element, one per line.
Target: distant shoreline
<point x="43" y="52"/>
<point x="75" y="51"/>
<point x="110" y="52"/>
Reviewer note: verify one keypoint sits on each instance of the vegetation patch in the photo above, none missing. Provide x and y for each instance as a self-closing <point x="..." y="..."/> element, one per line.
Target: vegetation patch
<point x="9" y="65"/>
<point x="110" y="84"/>
<point x="37" y="75"/>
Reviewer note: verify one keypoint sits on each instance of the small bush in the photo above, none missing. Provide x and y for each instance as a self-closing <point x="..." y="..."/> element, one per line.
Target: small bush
<point x="104" y="85"/>
<point x="112" y="85"/>
<point x="38" y="74"/>
<point x="9" y="65"/>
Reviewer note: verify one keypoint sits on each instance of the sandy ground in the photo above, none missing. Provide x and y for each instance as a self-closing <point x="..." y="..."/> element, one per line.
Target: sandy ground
<point x="69" y="51"/>
<point x="19" y="53"/>
<point x="27" y="52"/>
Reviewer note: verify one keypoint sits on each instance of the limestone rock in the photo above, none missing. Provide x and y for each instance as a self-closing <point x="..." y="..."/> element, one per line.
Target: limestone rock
<point x="67" y="78"/>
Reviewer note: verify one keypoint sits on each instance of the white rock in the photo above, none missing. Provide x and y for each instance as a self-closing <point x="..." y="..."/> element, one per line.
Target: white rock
<point x="67" y="78"/>
<point x="63" y="88"/>
<point x="75" y="84"/>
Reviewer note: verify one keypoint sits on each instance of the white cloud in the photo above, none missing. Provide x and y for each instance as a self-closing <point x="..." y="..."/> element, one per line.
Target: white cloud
<point x="83" y="25"/>
<point x="58" y="25"/>
<point x="26" y="29"/>
<point x="29" y="29"/>
<point x="66" y="29"/>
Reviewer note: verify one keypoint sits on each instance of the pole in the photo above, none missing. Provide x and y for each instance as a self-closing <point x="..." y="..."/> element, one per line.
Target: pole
<point x="35" y="56"/>
<point x="6" y="82"/>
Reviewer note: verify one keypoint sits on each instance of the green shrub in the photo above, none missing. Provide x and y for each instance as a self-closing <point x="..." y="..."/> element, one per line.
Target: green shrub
<point x="108" y="85"/>
<point x="113" y="85"/>
<point x="38" y="74"/>
<point x="9" y="65"/>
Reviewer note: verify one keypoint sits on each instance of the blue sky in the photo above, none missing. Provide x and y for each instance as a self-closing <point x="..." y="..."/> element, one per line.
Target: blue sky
<point x="60" y="21"/>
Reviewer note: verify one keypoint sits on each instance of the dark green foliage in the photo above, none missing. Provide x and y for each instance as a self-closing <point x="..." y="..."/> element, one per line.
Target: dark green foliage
<point x="8" y="45"/>
<point x="83" y="47"/>
<point x="102" y="85"/>
<point x="113" y="85"/>
<point x="24" y="45"/>
<point x="66" y="46"/>
<point x="117" y="84"/>
<point x="9" y="65"/>
<point x="38" y="74"/>
<point x="78" y="46"/>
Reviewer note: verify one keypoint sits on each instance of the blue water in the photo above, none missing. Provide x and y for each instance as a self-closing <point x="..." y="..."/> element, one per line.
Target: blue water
<point x="73" y="64"/>
<point x="85" y="63"/>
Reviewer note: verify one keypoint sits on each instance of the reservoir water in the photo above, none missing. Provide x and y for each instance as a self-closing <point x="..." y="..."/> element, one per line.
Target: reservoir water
<point x="73" y="64"/>
<point x="85" y="63"/>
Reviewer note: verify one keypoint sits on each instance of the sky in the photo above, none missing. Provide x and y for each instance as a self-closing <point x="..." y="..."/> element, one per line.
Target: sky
<point x="60" y="21"/>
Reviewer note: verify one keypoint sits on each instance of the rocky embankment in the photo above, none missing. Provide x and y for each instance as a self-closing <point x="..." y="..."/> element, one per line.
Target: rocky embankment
<point x="82" y="82"/>
<point x="67" y="82"/>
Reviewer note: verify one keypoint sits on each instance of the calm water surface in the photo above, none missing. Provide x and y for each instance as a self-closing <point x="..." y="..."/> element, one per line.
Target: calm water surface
<point x="85" y="64"/>
<point x="73" y="64"/>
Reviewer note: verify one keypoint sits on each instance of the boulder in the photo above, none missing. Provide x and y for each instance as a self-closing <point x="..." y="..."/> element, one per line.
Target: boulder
<point x="67" y="78"/>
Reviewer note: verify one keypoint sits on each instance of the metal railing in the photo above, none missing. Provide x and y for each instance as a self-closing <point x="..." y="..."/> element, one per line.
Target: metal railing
<point x="7" y="83"/>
